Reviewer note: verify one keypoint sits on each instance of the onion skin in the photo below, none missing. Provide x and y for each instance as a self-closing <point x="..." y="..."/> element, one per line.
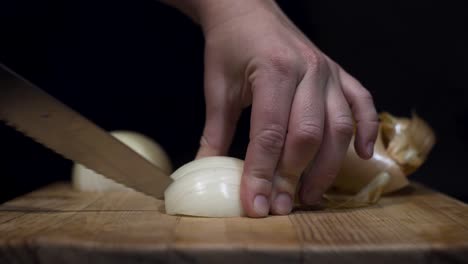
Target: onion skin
<point x="367" y="196"/>
<point x="401" y="147"/>
<point x="409" y="140"/>
<point x="84" y="179"/>
<point x="355" y="172"/>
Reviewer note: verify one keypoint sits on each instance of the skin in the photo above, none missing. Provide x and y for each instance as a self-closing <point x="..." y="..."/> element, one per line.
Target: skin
<point x="305" y="107"/>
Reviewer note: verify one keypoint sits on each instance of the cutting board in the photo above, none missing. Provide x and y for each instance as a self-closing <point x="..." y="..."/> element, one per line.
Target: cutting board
<point x="58" y="225"/>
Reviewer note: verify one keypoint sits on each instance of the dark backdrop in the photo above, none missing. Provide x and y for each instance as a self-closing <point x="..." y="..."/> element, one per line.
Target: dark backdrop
<point x="138" y="65"/>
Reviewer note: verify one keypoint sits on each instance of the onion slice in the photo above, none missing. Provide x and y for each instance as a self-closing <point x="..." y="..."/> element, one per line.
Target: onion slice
<point x="208" y="187"/>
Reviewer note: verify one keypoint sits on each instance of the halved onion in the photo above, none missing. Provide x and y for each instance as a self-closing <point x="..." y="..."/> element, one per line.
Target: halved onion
<point x="84" y="179"/>
<point x="208" y="187"/>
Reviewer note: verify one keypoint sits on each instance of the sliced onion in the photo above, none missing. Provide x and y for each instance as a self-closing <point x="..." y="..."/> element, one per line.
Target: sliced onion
<point x="208" y="187"/>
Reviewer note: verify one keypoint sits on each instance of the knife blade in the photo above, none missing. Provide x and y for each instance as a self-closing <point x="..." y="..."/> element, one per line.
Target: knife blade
<point x="51" y="123"/>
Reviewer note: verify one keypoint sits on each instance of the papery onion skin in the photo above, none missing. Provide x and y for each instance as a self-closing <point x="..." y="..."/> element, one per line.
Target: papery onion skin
<point x="356" y="173"/>
<point x="84" y="179"/>
<point x="208" y="187"/>
<point x="401" y="147"/>
<point x="367" y="196"/>
<point x="422" y="135"/>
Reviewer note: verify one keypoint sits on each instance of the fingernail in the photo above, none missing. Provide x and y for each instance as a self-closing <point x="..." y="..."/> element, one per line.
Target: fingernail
<point x="370" y="149"/>
<point x="283" y="204"/>
<point x="261" y="205"/>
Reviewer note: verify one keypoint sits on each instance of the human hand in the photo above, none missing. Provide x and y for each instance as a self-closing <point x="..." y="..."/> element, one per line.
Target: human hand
<point x="303" y="105"/>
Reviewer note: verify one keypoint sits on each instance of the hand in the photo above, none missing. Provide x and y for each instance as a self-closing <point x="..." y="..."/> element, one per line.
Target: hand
<point x="303" y="105"/>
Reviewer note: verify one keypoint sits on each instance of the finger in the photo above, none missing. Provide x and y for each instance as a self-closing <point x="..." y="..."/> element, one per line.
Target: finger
<point x="305" y="131"/>
<point x="337" y="135"/>
<point x="221" y="117"/>
<point x="365" y="115"/>
<point x="272" y="97"/>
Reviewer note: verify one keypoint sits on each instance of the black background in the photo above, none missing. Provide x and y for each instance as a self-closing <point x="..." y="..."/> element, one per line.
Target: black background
<point x="138" y="65"/>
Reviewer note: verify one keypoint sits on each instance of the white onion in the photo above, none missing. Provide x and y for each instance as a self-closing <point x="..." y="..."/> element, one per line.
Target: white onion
<point x="85" y="179"/>
<point x="208" y="187"/>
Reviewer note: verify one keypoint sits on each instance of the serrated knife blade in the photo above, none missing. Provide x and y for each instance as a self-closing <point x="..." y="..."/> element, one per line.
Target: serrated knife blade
<point x="43" y="118"/>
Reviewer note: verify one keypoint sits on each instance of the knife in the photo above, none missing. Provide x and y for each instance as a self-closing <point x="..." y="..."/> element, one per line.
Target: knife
<point x="46" y="120"/>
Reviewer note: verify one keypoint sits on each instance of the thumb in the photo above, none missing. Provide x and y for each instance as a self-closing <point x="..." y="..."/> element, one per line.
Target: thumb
<point x="221" y="119"/>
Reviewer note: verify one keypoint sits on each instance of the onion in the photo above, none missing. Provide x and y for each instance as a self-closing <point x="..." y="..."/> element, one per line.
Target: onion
<point x="402" y="146"/>
<point x="84" y="179"/>
<point x="207" y="187"/>
<point x="367" y="196"/>
<point x="210" y="187"/>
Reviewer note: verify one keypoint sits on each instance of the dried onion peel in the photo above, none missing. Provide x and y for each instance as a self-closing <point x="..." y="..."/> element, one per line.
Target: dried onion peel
<point x="84" y="179"/>
<point x="402" y="146"/>
<point x="369" y="195"/>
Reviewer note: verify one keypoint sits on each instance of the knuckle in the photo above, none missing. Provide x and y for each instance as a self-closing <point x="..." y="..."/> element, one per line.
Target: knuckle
<point x="308" y="133"/>
<point x="271" y="139"/>
<point x="315" y="61"/>
<point x="312" y="56"/>
<point x="261" y="179"/>
<point x="280" y="60"/>
<point x="366" y="96"/>
<point x="343" y="125"/>
<point x="365" y="110"/>
<point x="290" y="178"/>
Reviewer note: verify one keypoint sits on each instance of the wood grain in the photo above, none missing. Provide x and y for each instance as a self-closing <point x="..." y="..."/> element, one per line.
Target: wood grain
<point x="59" y="225"/>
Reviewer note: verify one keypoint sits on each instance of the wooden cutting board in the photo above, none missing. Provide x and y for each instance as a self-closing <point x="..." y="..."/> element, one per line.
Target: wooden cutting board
<point x="59" y="225"/>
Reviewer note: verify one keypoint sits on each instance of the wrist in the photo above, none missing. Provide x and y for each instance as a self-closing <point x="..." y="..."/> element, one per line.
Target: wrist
<point x="216" y="12"/>
<point x="211" y="13"/>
